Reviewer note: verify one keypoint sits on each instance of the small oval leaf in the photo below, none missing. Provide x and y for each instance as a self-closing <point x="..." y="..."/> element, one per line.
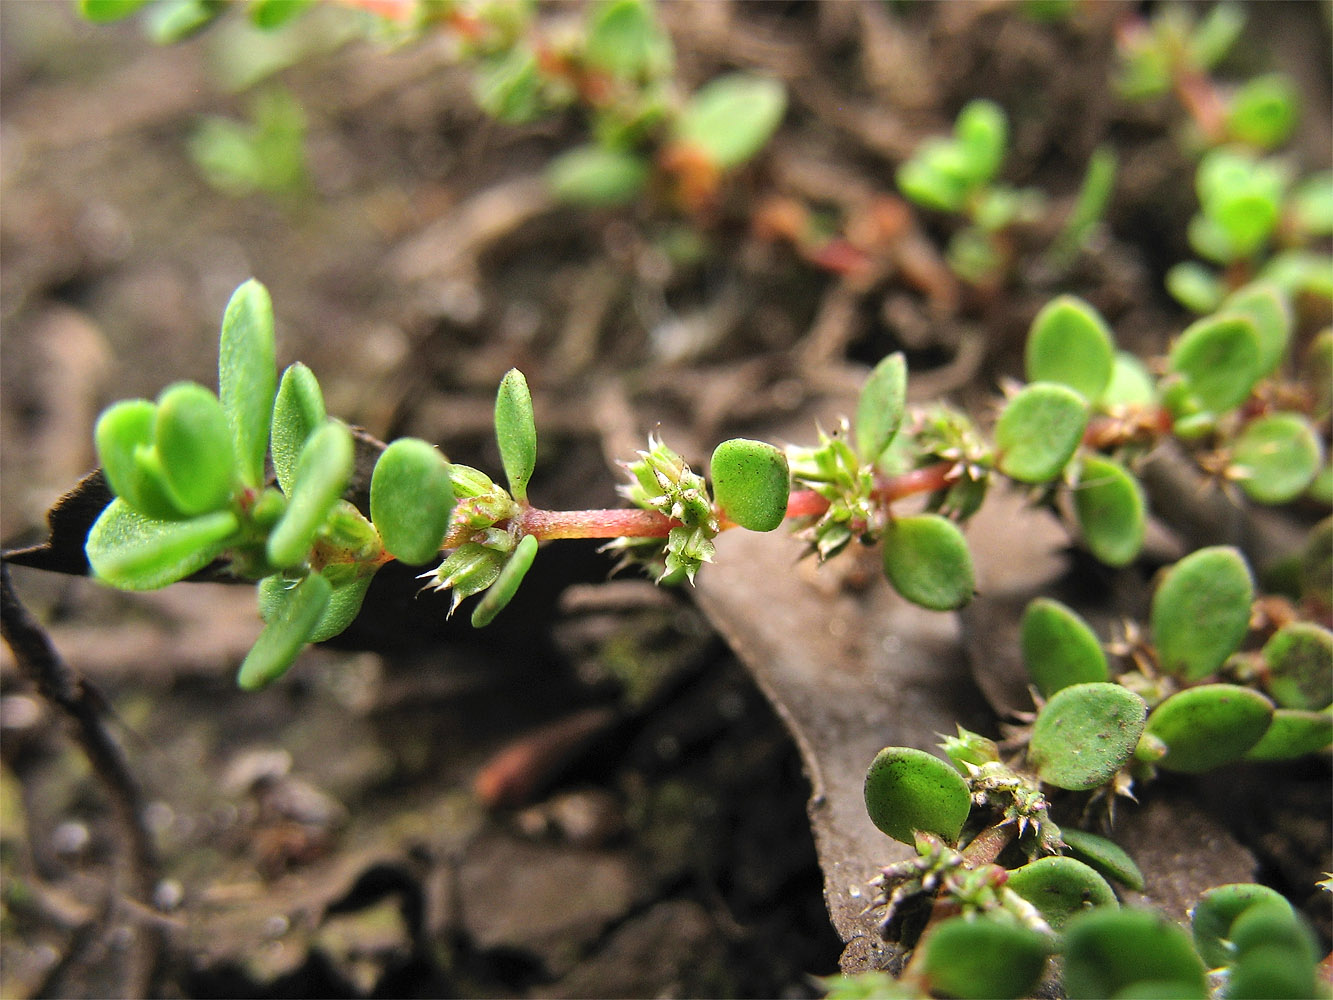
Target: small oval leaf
<point x="981" y="958"/>
<point x="297" y="411"/>
<point x="1085" y="734"/>
<point x="133" y="552"/>
<point x="322" y="474"/>
<point x="1059" y="647"/>
<point x="1208" y="726"/>
<point x="411" y="500"/>
<point x="1216" y="912"/>
<point x="194" y="444"/>
<point x="1201" y="611"/>
<point x="1299" y="657"/>
<point x="1038" y="431"/>
<point x="879" y="409"/>
<point x="1219" y="359"/>
<point x="1108" y="951"/>
<point x="1109" y="506"/>
<point x="751" y="483"/>
<point x="595" y="175"/>
<point x="124" y="432"/>
<point x="247" y="377"/>
<point x="907" y="790"/>
<point x="286" y="634"/>
<point x="345" y="600"/>
<point x="927" y="560"/>
<point x="1276" y="457"/>
<point x="1267" y="307"/>
<point x="1061" y="888"/>
<point x="1070" y="344"/>
<point x="516" y="432"/>
<point x="1293" y="733"/>
<point x="731" y="118"/>
<point x="1106" y="856"/>
<point x="502" y="591"/>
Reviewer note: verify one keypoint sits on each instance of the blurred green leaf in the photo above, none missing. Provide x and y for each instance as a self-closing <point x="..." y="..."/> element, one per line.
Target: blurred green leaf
<point x="751" y="483"/>
<point x="247" y="377"/>
<point x="625" y="40"/>
<point x="1216" y="911"/>
<point x="508" y="86"/>
<point x="1299" y="658"/>
<point x="983" y="958"/>
<point x="502" y="591"/>
<point x="322" y="474"/>
<point x="1219" y="359"/>
<point x="1108" y="951"/>
<point x="1131" y="383"/>
<point x="595" y="175"/>
<point x="1059" y="648"/>
<point x="411" y="500"/>
<point x="1109" y="506"/>
<point x="1293" y="733"/>
<point x="286" y="634"/>
<point x="1267" y="307"/>
<point x="907" y="790"/>
<point x="1312" y="203"/>
<point x="1070" y="344"/>
<point x="193" y="438"/>
<point x="1264" y="111"/>
<point x="1215" y="33"/>
<point x="1195" y="287"/>
<point x="1201" y="611"/>
<point x="1085" y="733"/>
<point x="348" y="586"/>
<point x="927" y="560"/>
<point x="108" y="10"/>
<point x="730" y="119"/>
<point x="1039" y="430"/>
<point x="171" y="21"/>
<point x="1276" y="457"/>
<point x="982" y="132"/>
<point x="270" y="14"/>
<point x="1208" y="726"/>
<point x="133" y="552"/>
<point x="516" y="432"/>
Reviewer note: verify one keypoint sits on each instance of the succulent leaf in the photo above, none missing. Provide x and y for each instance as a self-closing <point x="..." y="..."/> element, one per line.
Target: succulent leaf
<point x="984" y="958"/>
<point x="497" y="598"/>
<point x="247" y="377"/>
<point x="1038" y="431"/>
<point x="1059" y="647"/>
<point x="124" y="440"/>
<point x="1109" y="506"/>
<point x="298" y="411"/>
<point x="133" y="552"/>
<point x="1219" y="359"/>
<point x="516" y="432"/>
<point x="411" y="499"/>
<point x="751" y="483"/>
<point x="1208" y="726"/>
<point x="1060" y="888"/>
<point x="1299" y="657"/>
<point x="1276" y="457"/>
<point x="879" y="409"/>
<point x="731" y="118"/>
<point x="927" y="560"/>
<point x="1070" y="344"/>
<point x="1201" y="611"/>
<point x="907" y="790"/>
<point x="322" y="474"/>
<point x="286" y="634"/>
<point x="1105" y="856"/>
<point x="1085" y="734"/>
<point x="193" y="442"/>
<point x="1109" y="951"/>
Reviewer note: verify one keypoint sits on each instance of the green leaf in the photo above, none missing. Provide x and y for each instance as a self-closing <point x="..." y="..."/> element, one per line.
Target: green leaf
<point x="508" y="86"/>
<point x="751" y="483"/>
<point x="271" y="14"/>
<point x="1293" y="733"/>
<point x="731" y="118"/>
<point x="1276" y="457"/>
<point x="1061" y="888"/>
<point x="1085" y="734"/>
<point x="927" y="560"/>
<point x="1109" y="506"/>
<point x="502" y="591"/>
<point x="1312" y="203"/>
<point x="322" y="474"/>
<point x="297" y="411"/>
<point x="1070" y="344"/>
<point x="982" y="133"/>
<point x="516" y="432"/>
<point x="1108" y="951"/>
<point x="1264" y="111"/>
<point x="102" y="11"/>
<point x="1268" y="308"/>
<point x="1131" y="383"/>
<point x="193" y="442"/>
<point x="133" y="552"/>
<point x="1059" y="648"/>
<point x="1201" y="612"/>
<point x="879" y="409"/>
<point x="1106" y="856"/>
<point x="247" y="377"/>
<point x="1215" y="34"/>
<point x="625" y="40"/>
<point x="411" y="499"/>
<point x="1038" y="431"/>
<point x="286" y="634"/>
<point x="983" y="958"/>
<point x="921" y="181"/>
<point x="1317" y="564"/>
<point x="907" y="790"/>
<point x="1299" y="657"/>
<point x="171" y="21"/>
<point x="1209" y="726"/>
<point x="1195" y="286"/>
<point x="124" y="440"/>
<point x="595" y="175"/>
<point x="348" y="584"/>
<point x="1216" y="912"/>
<point x="1219" y="359"/>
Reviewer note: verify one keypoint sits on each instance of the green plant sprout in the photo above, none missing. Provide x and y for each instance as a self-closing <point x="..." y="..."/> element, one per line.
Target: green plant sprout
<point x="188" y="473"/>
<point x="1176" y="709"/>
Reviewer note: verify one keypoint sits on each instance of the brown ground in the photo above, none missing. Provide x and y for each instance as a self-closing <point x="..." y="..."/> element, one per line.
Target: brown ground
<point x="325" y="838"/>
